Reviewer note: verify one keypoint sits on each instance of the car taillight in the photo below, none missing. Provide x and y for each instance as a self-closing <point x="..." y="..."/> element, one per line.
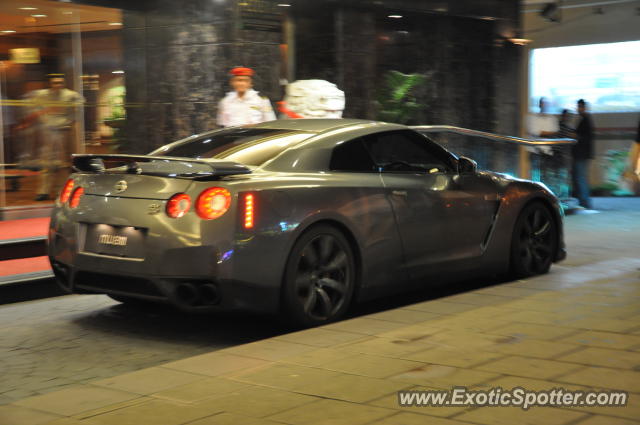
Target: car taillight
<point x="249" y="210"/>
<point x="66" y="191"/>
<point x="75" y="198"/>
<point x="178" y="205"/>
<point x="213" y="202"/>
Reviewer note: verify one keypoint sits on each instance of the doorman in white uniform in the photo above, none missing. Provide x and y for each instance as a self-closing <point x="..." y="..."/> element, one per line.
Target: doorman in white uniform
<point x="243" y="105"/>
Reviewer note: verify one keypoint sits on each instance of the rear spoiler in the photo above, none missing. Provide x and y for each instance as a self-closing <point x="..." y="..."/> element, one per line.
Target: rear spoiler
<point x="165" y="166"/>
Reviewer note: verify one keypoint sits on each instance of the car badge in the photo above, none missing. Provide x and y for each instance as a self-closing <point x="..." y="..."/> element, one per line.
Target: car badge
<point x="153" y="208"/>
<point x="121" y="186"/>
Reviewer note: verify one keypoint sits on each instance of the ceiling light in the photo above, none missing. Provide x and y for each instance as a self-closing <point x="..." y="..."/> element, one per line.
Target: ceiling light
<point x="520" y="41"/>
<point x="284" y="4"/>
<point x="7" y="31"/>
<point x="119" y="71"/>
<point x="113" y="24"/>
<point x="394" y="16"/>
<point x="67" y="12"/>
<point x="39" y="15"/>
<point x="28" y="8"/>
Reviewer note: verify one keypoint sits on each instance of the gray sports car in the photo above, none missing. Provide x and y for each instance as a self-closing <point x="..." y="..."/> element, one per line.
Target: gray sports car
<point x="295" y="216"/>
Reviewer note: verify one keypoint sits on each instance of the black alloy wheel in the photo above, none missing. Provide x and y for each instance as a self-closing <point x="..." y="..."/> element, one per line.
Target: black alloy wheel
<point x="534" y="241"/>
<point x="320" y="277"/>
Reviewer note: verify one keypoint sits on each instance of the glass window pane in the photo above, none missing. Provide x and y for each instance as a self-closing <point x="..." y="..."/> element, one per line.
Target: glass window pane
<point x="352" y="156"/>
<point x="249" y="146"/>
<point x="405" y="151"/>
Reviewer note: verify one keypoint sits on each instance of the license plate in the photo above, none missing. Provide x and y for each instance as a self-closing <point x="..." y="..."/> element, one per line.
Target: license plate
<point x="119" y="241"/>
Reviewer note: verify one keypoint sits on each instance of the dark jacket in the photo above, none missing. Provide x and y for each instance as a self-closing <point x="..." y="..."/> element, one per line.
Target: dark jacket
<point x="584" y="148"/>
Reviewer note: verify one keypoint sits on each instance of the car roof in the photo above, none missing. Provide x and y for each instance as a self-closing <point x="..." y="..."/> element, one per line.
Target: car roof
<point x="315" y="125"/>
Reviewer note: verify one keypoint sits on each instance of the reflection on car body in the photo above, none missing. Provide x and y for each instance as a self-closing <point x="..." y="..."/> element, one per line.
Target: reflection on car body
<point x="302" y="217"/>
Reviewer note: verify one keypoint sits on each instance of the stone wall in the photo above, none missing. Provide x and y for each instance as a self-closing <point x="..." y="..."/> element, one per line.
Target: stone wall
<point x="177" y="55"/>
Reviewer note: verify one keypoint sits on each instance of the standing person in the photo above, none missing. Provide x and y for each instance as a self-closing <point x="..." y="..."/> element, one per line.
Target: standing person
<point x="582" y="153"/>
<point x="542" y="124"/>
<point x="54" y="115"/>
<point x="565" y="131"/>
<point x="243" y="105"/>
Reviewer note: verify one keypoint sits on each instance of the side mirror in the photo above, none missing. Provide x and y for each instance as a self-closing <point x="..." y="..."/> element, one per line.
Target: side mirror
<point x="467" y="165"/>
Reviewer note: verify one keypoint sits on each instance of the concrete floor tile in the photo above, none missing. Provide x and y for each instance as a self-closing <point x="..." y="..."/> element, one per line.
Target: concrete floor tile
<point x="607" y="325"/>
<point x="603" y="339"/>
<point x="66" y="421"/>
<point x="461" y="322"/>
<point x="464" y="340"/>
<point x="368" y="365"/>
<point x="214" y="364"/>
<point x="331" y="412"/>
<point x="402" y="315"/>
<point x="317" y="357"/>
<point x="531" y="347"/>
<point x="352" y="388"/>
<point x="285" y="376"/>
<point x="269" y="349"/>
<point x="479" y="299"/>
<point x="516" y="415"/>
<point x="631" y="411"/>
<point x="441" y="307"/>
<point x="506" y="290"/>
<point x="77" y="399"/>
<point x="258" y="402"/>
<point x="529" y="367"/>
<point x="232" y="419"/>
<point x="416" y="332"/>
<point x="453" y="357"/>
<point x="508" y="383"/>
<point x="319" y="337"/>
<point x="154" y="412"/>
<point x="365" y="326"/>
<point x="19" y="415"/>
<point x="405" y="418"/>
<point x="605" y="420"/>
<point x="615" y="379"/>
<point x="541" y="317"/>
<point x="486" y="311"/>
<point x="593" y="356"/>
<point x="444" y="377"/>
<point x="388" y="347"/>
<point x="147" y="381"/>
<point x="390" y="401"/>
<point x="200" y="390"/>
<point x="533" y="330"/>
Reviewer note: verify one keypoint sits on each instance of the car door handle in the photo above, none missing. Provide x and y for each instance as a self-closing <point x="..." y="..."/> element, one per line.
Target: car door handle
<point x="399" y="192"/>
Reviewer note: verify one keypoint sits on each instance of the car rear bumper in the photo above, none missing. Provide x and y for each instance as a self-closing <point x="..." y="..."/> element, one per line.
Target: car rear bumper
<point x="188" y="293"/>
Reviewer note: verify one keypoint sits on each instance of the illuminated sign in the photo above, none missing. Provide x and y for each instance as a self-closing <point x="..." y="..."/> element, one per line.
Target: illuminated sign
<point x="25" y="55"/>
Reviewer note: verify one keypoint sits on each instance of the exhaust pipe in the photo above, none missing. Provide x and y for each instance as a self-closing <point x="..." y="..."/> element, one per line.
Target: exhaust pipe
<point x="187" y="293"/>
<point x="209" y="294"/>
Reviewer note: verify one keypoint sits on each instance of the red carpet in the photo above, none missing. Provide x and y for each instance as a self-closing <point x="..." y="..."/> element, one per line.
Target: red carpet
<point x="25" y="228"/>
<point x="24" y="265"/>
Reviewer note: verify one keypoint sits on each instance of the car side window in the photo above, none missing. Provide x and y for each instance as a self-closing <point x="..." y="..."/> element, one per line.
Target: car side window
<point x="405" y="151"/>
<point x="352" y="156"/>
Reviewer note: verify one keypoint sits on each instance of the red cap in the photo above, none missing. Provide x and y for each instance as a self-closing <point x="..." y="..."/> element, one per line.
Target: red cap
<point x="240" y="71"/>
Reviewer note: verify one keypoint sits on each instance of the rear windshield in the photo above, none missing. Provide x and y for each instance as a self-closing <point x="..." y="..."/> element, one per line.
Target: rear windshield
<point x="249" y="146"/>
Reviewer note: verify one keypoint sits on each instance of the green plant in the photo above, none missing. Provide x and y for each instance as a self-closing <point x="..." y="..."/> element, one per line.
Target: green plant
<point x="396" y="100"/>
<point x="615" y="162"/>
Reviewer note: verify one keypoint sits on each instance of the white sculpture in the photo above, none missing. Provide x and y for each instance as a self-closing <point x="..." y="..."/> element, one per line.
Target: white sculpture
<point x="312" y="99"/>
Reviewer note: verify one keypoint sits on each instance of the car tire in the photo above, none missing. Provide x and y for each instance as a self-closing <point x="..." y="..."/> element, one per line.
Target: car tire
<point x="319" y="278"/>
<point x="534" y="241"/>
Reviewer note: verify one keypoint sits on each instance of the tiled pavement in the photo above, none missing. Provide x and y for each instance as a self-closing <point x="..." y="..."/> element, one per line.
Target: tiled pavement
<point x="576" y="328"/>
